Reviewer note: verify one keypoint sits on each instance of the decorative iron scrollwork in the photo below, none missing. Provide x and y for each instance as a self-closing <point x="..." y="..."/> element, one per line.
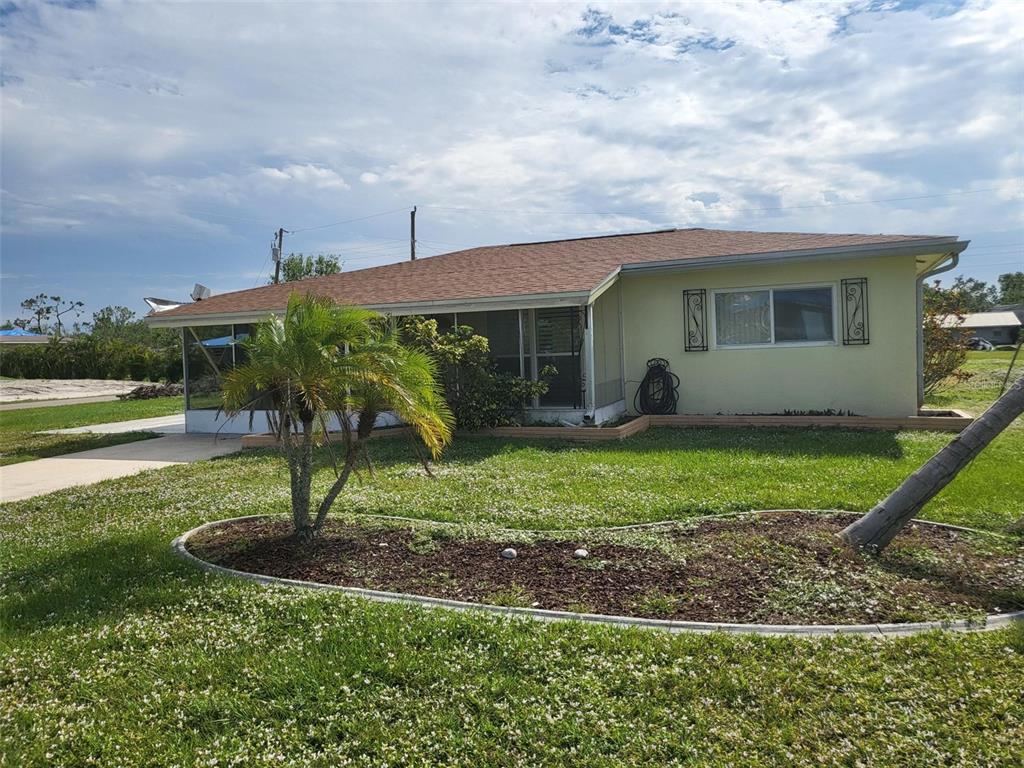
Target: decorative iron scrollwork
<point x="696" y="320"/>
<point x="855" y="311"/>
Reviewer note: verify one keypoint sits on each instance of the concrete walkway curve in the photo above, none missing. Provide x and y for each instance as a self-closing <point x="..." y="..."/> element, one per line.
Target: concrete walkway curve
<point x="34" y="478"/>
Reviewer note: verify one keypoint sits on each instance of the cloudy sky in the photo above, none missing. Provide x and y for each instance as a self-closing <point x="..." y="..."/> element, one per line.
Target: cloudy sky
<point x="147" y="146"/>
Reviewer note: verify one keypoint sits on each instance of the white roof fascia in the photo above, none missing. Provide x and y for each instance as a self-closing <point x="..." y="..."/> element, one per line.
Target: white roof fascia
<point x="943" y="246"/>
<point x="441" y="306"/>
<point x="604" y="285"/>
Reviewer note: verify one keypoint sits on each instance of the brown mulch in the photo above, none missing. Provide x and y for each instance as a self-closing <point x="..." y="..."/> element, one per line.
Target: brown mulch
<point x="771" y="568"/>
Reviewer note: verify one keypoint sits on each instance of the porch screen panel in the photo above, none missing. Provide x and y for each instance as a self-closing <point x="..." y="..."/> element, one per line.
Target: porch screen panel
<point x="607" y="349"/>
<point x="559" y="333"/>
<point x="501" y="329"/>
<point x="206" y="364"/>
<point x="259" y="401"/>
<point x="743" y="317"/>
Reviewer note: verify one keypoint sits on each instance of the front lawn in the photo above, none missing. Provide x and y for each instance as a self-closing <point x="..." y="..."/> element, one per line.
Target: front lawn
<point x="114" y="652"/>
<point x="21" y="438"/>
<point x="987" y="369"/>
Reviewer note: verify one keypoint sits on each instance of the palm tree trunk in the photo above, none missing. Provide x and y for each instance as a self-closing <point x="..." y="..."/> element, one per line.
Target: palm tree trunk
<point x="351" y="457"/>
<point x="877" y="528"/>
<point x="354" y="444"/>
<point x="301" y="466"/>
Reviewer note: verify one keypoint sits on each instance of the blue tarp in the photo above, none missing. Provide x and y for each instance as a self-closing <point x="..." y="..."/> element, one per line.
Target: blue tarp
<point x="225" y="341"/>
<point x="17" y="332"/>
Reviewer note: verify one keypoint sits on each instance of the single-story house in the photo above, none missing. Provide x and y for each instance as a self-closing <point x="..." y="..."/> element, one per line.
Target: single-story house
<point x="750" y="322"/>
<point x="992" y="326"/>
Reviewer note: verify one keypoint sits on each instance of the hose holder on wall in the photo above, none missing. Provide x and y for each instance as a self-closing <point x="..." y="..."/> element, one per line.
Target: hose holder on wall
<point x="659" y="391"/>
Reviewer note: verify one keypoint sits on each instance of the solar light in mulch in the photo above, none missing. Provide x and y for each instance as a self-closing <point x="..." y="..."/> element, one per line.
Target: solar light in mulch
<point x="509" y="554"/>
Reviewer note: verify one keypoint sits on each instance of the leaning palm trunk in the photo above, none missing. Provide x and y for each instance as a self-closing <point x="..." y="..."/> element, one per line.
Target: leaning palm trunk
<point x="877" y="528"/>
<point x="353" y="447"/>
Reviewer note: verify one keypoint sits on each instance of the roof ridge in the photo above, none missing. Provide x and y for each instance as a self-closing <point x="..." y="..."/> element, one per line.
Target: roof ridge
<point x="592" y="237"/>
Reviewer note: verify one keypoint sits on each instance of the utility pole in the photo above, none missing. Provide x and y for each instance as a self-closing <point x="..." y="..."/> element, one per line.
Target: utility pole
<point x="277" y="256"/>
<point x="412" y="234"/>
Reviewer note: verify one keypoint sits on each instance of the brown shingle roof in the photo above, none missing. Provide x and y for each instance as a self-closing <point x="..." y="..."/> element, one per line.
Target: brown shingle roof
<point x="559" y="266"/>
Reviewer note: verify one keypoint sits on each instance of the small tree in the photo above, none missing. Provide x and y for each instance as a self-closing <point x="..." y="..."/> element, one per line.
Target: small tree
<point x="62" y="307"/>
<point x="320" y="360"/>
<point x="39" y="310"/>
<point x="1011" y="288"/>
<point x="478" y="394"/>
<point x="945" y="345"/>
<point x="976" y="295"/>
<point x="42" y="307"/>
<point x="295" y="267"/>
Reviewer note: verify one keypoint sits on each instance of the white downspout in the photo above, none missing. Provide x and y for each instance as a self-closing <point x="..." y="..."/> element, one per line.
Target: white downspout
<point x="954" y="261"/>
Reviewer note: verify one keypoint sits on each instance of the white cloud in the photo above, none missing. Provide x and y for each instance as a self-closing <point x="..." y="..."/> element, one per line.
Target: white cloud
<point x="308" y="175"/>
<point x="143" y="123"/>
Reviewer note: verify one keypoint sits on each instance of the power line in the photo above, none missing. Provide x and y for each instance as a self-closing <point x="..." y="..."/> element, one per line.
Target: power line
<point x="346" y="221"/>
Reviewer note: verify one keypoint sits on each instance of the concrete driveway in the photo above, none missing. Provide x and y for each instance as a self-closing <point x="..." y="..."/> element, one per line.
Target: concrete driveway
<point x="34" y="478"/>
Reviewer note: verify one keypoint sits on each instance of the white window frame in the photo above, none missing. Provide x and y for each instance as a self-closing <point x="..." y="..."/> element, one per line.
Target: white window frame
<point x="833" y="286"/>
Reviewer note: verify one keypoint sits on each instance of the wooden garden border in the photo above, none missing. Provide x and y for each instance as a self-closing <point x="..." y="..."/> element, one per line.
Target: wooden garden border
<point x="937" y="421"/>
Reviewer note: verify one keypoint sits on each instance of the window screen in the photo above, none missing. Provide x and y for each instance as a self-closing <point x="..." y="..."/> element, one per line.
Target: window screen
<point x="743" y="317"/>
<point x="803" y="314"/>
<point x="774" y="316"/>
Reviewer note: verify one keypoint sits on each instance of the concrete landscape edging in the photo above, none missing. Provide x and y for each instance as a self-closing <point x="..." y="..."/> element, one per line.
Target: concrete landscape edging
<point x="988" y="623"/>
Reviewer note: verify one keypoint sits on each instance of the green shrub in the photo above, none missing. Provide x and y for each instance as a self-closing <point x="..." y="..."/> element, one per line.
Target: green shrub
<point x="85" y="357"/>
<point x="479" y="395"/>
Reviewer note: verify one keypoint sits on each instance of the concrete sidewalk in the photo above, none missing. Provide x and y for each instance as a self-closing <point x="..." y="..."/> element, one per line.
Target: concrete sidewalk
<point x="165" y="425"/>
<point x="34" y="478"/>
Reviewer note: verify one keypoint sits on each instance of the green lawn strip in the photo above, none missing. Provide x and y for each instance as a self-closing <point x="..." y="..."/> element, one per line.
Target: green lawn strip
<point x="22" y="439"/>
<point x="84" y="414"/>
<point x="114" y="652"/>
<point x="27" y="446"/>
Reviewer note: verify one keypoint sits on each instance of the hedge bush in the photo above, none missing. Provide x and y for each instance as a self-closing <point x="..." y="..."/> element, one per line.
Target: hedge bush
<point x="479" y="395"/>
<point x="84" y="357"/>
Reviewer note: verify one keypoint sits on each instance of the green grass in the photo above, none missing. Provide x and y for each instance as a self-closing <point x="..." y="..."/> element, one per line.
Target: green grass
<point x="987" y="371"/>
<point x="20" y="430"/>
<point x="113" y="652"/>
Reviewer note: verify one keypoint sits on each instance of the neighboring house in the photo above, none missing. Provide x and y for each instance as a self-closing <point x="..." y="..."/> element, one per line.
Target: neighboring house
<point x="20" y="336"/>
<point x="751" y="322"/>
<point x="1017" y="309"/>
<point x="995" y="327"/>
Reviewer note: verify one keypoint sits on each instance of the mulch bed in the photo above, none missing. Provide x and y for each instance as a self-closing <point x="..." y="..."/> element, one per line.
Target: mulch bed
<point x="776" y="568"/>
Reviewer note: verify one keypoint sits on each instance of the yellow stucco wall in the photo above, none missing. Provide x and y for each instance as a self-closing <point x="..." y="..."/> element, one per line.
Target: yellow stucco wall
<point x="879" y="379"/>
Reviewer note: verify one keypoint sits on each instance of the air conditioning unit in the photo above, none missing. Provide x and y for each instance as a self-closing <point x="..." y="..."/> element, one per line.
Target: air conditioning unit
<point x="200" y="292"/>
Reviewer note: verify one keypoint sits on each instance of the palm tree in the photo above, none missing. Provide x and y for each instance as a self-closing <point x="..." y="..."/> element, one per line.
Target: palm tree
<point x="874" y="531"/>
<point x="320" y="361"/>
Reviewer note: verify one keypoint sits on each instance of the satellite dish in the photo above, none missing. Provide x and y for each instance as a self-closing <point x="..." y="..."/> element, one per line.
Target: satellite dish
<point x="200" y="292"/>
<point x="161" y="305"/>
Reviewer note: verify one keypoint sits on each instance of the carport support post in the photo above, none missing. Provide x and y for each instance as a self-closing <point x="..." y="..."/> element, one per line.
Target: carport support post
<point x="588" y="344"/>
<point x="184" y="369"/>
